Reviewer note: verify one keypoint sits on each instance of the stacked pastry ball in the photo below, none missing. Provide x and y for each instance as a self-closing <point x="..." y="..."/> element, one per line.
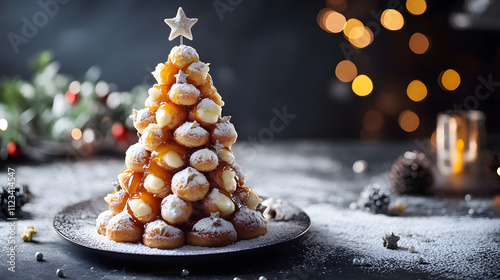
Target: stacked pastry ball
<point x="181" y="184"/>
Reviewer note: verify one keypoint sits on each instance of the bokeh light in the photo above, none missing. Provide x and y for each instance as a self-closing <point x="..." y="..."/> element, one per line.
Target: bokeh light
<point x="350" y="25"/>
<point x="361" y="37"/>
<point x="392" y="20"/>
<point x="449" y="80"/>
<point x="4" y="124"/>
<point x="334" y="22"/>
<point x="389" y="99"/>
<point x="416" y="7"/>
<point x="408" y="121"/>
<point x="322" y="14"/>
<point x="101" y="88"/>
<point x="419" y="43"/>
<point x="76" y="133"/>
<point x="75" y="87"/>
<point x="498" y="171"/>
<point x="434" y="139"/>
<point x="416" y="90"/>
<point x="346" y="71"/>
<point x="373" y="120"/>
<point x="362" y="85"/>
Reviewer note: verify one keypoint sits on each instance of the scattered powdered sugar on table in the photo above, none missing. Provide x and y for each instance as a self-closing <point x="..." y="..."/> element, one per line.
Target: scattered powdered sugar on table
<point x="446" y="244"/>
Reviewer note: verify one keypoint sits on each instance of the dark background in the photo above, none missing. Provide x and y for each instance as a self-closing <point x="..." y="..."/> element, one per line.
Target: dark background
<point x="271" y="54"/>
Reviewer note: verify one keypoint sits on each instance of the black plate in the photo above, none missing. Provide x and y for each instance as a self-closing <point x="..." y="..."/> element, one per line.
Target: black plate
<point x="76" y="223"/>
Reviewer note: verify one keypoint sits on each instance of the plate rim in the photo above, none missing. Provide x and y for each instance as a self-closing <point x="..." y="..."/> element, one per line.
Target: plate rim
<point x="305" y="218"/>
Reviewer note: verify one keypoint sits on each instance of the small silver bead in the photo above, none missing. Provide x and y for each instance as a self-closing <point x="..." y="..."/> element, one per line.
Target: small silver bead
<point x="184" y="272"/>
<point x="356" y="261"/>
<point x="60" y="273"/>
<point x="364" y="262"/>
<point x="236" y="278"/>
<point x="39" y="256"/>
<point x="419" y="260"/>
<point x="411" y="249"/>
<point x="360" y="166"/>
<point x="262" y="278"/>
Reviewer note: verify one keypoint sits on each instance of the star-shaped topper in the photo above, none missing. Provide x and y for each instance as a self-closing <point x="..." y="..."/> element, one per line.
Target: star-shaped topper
<point x="181" y="77"/>
<point x="180" y="25"/>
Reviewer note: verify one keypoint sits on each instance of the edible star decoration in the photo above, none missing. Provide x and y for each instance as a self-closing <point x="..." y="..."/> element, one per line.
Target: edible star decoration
<point x="390" y="241"/>
<point x="180" y="77"/>
<point x="180" y="25"/>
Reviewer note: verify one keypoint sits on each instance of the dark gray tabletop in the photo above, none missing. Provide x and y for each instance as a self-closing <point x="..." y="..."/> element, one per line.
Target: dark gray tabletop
<point x="454" y="241"/>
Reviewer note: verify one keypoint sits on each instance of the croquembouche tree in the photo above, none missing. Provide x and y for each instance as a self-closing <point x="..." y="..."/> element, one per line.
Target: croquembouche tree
<point x="181" y="184"/>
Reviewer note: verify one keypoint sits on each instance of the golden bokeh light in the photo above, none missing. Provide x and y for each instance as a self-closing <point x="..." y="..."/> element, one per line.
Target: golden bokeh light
<point x="416" y="7"/>
<point x="334" y="22"/>
<point x="346" y="71"/>
<point x="4" y="124"/>
<point x="392" y="20"/>
<point x="434" y="139"/>
<point x="408" y="121"/>
<point x="361" y="37"/>
<point x="350" y="25"/>
<point x="76" y="133"/>
<point x="362" y="85"/>
<point x="498" y="171"/>
<point x="373" y="120"/>
<point x="419" y="43"/>
<point x="322" y="14"/>
<point x="416" y="90"/>
<point x="449" y="80"/>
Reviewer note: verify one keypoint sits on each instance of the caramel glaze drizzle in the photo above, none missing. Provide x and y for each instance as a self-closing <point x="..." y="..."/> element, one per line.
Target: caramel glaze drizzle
<point x="198" y="212"/>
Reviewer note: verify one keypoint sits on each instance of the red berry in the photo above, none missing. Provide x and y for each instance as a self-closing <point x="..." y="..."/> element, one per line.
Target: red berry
<point x="72" y="97"/>
<point x="119" y="132"/>
<point x="13" y="149"/>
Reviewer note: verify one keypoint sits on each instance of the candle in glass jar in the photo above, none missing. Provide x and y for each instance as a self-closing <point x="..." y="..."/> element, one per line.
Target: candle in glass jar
<point x="458" y="141"/>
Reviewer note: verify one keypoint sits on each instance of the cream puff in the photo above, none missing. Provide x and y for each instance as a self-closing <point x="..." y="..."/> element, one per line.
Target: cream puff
<point x="136" y="157"/>
<point x="189" y="184"/>
<point x="204" y="160"/>
<point x="191" y="134"/>
<point x="175" y="210"/>
<point x="161" y="235"/>
<point x="123" y="228"/>
<point x="212" y="231"/>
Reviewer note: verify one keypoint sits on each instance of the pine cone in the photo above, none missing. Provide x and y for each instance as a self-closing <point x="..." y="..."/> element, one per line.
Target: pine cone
<point x="375" y="198"/>
<point x="493" y="166"/>
<point x="411" y="173"/>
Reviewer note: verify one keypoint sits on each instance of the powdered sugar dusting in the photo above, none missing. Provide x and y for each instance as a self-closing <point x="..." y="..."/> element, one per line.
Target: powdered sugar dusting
<point x="190" y="130"/>
<point x="136" y="153"/>
<point x="162" y="230"/>
<point x="436" y="240"/>
<point x="122" y="221"/>
<point x="224" y="127"/>
<point x="77" y="224"/>
<point x="184" y="51"/>
<point x="213" y="226"/>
